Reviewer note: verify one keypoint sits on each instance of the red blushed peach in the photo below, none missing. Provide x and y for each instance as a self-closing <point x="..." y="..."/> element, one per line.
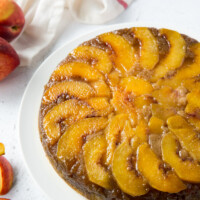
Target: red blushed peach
<point x="6" y="175"/>
<point x="11" y="20"/>
<point x="9" y="59"/>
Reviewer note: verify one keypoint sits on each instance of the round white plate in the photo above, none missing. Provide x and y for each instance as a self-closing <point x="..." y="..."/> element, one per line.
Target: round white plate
<point x="34" y="156"/>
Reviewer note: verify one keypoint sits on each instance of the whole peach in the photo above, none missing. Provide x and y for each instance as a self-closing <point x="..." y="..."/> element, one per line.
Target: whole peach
<point x="11" y="20"/>
<point x="9" y="59"/>
<point x="6" y="175"/>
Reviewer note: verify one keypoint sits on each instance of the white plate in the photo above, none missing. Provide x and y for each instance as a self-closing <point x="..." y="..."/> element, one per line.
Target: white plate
<point x="34" y="156"/>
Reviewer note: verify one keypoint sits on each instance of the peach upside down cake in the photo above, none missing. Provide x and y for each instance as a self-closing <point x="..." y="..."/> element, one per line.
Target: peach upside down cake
<point x="120" y="116"/>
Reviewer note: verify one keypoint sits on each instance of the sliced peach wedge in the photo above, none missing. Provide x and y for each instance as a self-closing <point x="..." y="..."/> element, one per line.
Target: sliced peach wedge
<point x="152" y="168"/>
<point x="187" y="137"/>
<point x="71" y="142"/>
<point x="149" y="52"/>
<point x="101" y="60"/>
<point x="113" y="134"/>
<point x="155" y="125"/>
<point x="124" y="53"/>
<point x="76" y="69"/>
<point x="2" y="149"/>
<point x="174" y="58"/>
<point x="78" y="89"/>
<point x="137" y="86"/>
<point x="124" y="171"/>
<point x="193" y="106"/>
<point x="187" y="170"/>
<point x="62" y="111"/>
<point x="93" y="151"/>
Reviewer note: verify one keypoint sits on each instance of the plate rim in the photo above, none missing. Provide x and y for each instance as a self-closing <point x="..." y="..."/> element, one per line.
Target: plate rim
<point x="82" y="38"/>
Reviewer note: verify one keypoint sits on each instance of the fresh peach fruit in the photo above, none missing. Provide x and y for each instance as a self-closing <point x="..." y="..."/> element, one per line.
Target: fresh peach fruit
<point x="100" y="58"/>
<point x="9" y="59"/>
<point x="174" y="58"/>
<point x="181" y="166"/>
<point x="137" y="86"/>
<point x="123" y="55"/>
<point x="11" y="20"/>
<point x="70" y="143"/>
<point x="76" y="69"/>
<point x="93" y="151"/>
<point x="124" y="171"/>
<point x="2" y="149"/>
<point x="149" y="52"/>
<point x="152" y="168"/>
<point x="6" y="175"/>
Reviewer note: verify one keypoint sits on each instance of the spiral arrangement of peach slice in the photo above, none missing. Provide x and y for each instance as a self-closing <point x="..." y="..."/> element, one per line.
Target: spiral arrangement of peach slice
<point x="130" y="111"/>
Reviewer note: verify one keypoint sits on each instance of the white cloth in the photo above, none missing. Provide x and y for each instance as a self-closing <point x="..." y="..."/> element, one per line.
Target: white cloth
<point x="43" y="18"/>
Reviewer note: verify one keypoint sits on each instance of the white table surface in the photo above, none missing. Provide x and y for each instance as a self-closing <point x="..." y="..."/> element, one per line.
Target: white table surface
<point x="175" y="12"/>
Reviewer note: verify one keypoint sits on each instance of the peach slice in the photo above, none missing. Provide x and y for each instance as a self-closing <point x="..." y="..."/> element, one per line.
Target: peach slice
<point x="191" y="83"/>
<point x="155" y="125"/>
<point x="127" y="133"/>
<point x="135" y="85"/>
<point x="101" y="88"/>
<point x="70" y="143"/>
<point x="187" y="170"/>
<point x="93" y="150"/>
<point x="187" y="137"/>
<point x="152" y="168"/>
<point x="175" y="57"/>
<point x="101" y="59"/>
<point x="190" y="70"/>
<point x="122" y="104"/>
<point x="76" y="89"/>
<point x="127" y="178"/>
<point x="2" y="149"/>
<point x="124" y="54"/>
<point x="114" y="78"/>
<point x="193" y="106"/>
<point x="113" y="133"/>
<point x="100" y="106"/>
<point x="149" y="52"/>
<point x="76" y="69"/>
<point x="63" y="110"/>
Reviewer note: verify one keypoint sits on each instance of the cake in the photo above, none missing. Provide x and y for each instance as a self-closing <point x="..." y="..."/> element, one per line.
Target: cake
<point x="120" y="116"/>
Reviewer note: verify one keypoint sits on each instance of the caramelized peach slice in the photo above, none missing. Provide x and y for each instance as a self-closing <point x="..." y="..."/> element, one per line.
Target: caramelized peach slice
<point x="113" y="133"/>
<point x="187" y="170"/>
<point x="114" y="78"/>
<point x="162" y="112"/>
<point x="177" y="122"/>
<point x="101" y="88"/>
<point x="127" y="133"/>
<point x="101" y="60"/>
<point x="136" y="85"/>
<point x="93" y="150"/>
<point x="124" y="54"/>
<point x="174" y="58"/>
<point x="122" y="104"/>
<point x="127" y="178"/>
<point x="100" y="106"/>
<point x="191" y="83"/>
<point x="193" y="106"/>
<point x="152" y="168"/>
<point x="190" y="70"/>
<point x="76" y="69"/>
<point x="149" y="53"/>
<point x="76" y="89"/>
<point x="155" y="125"/>
<point x="2" y="149"/>
<point x="70" y="143"/>
<point x="62" y="111"/>
<point x="143" y="100"/>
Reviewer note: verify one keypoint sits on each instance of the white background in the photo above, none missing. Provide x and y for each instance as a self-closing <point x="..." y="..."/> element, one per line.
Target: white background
<point x="175" y="12"/>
